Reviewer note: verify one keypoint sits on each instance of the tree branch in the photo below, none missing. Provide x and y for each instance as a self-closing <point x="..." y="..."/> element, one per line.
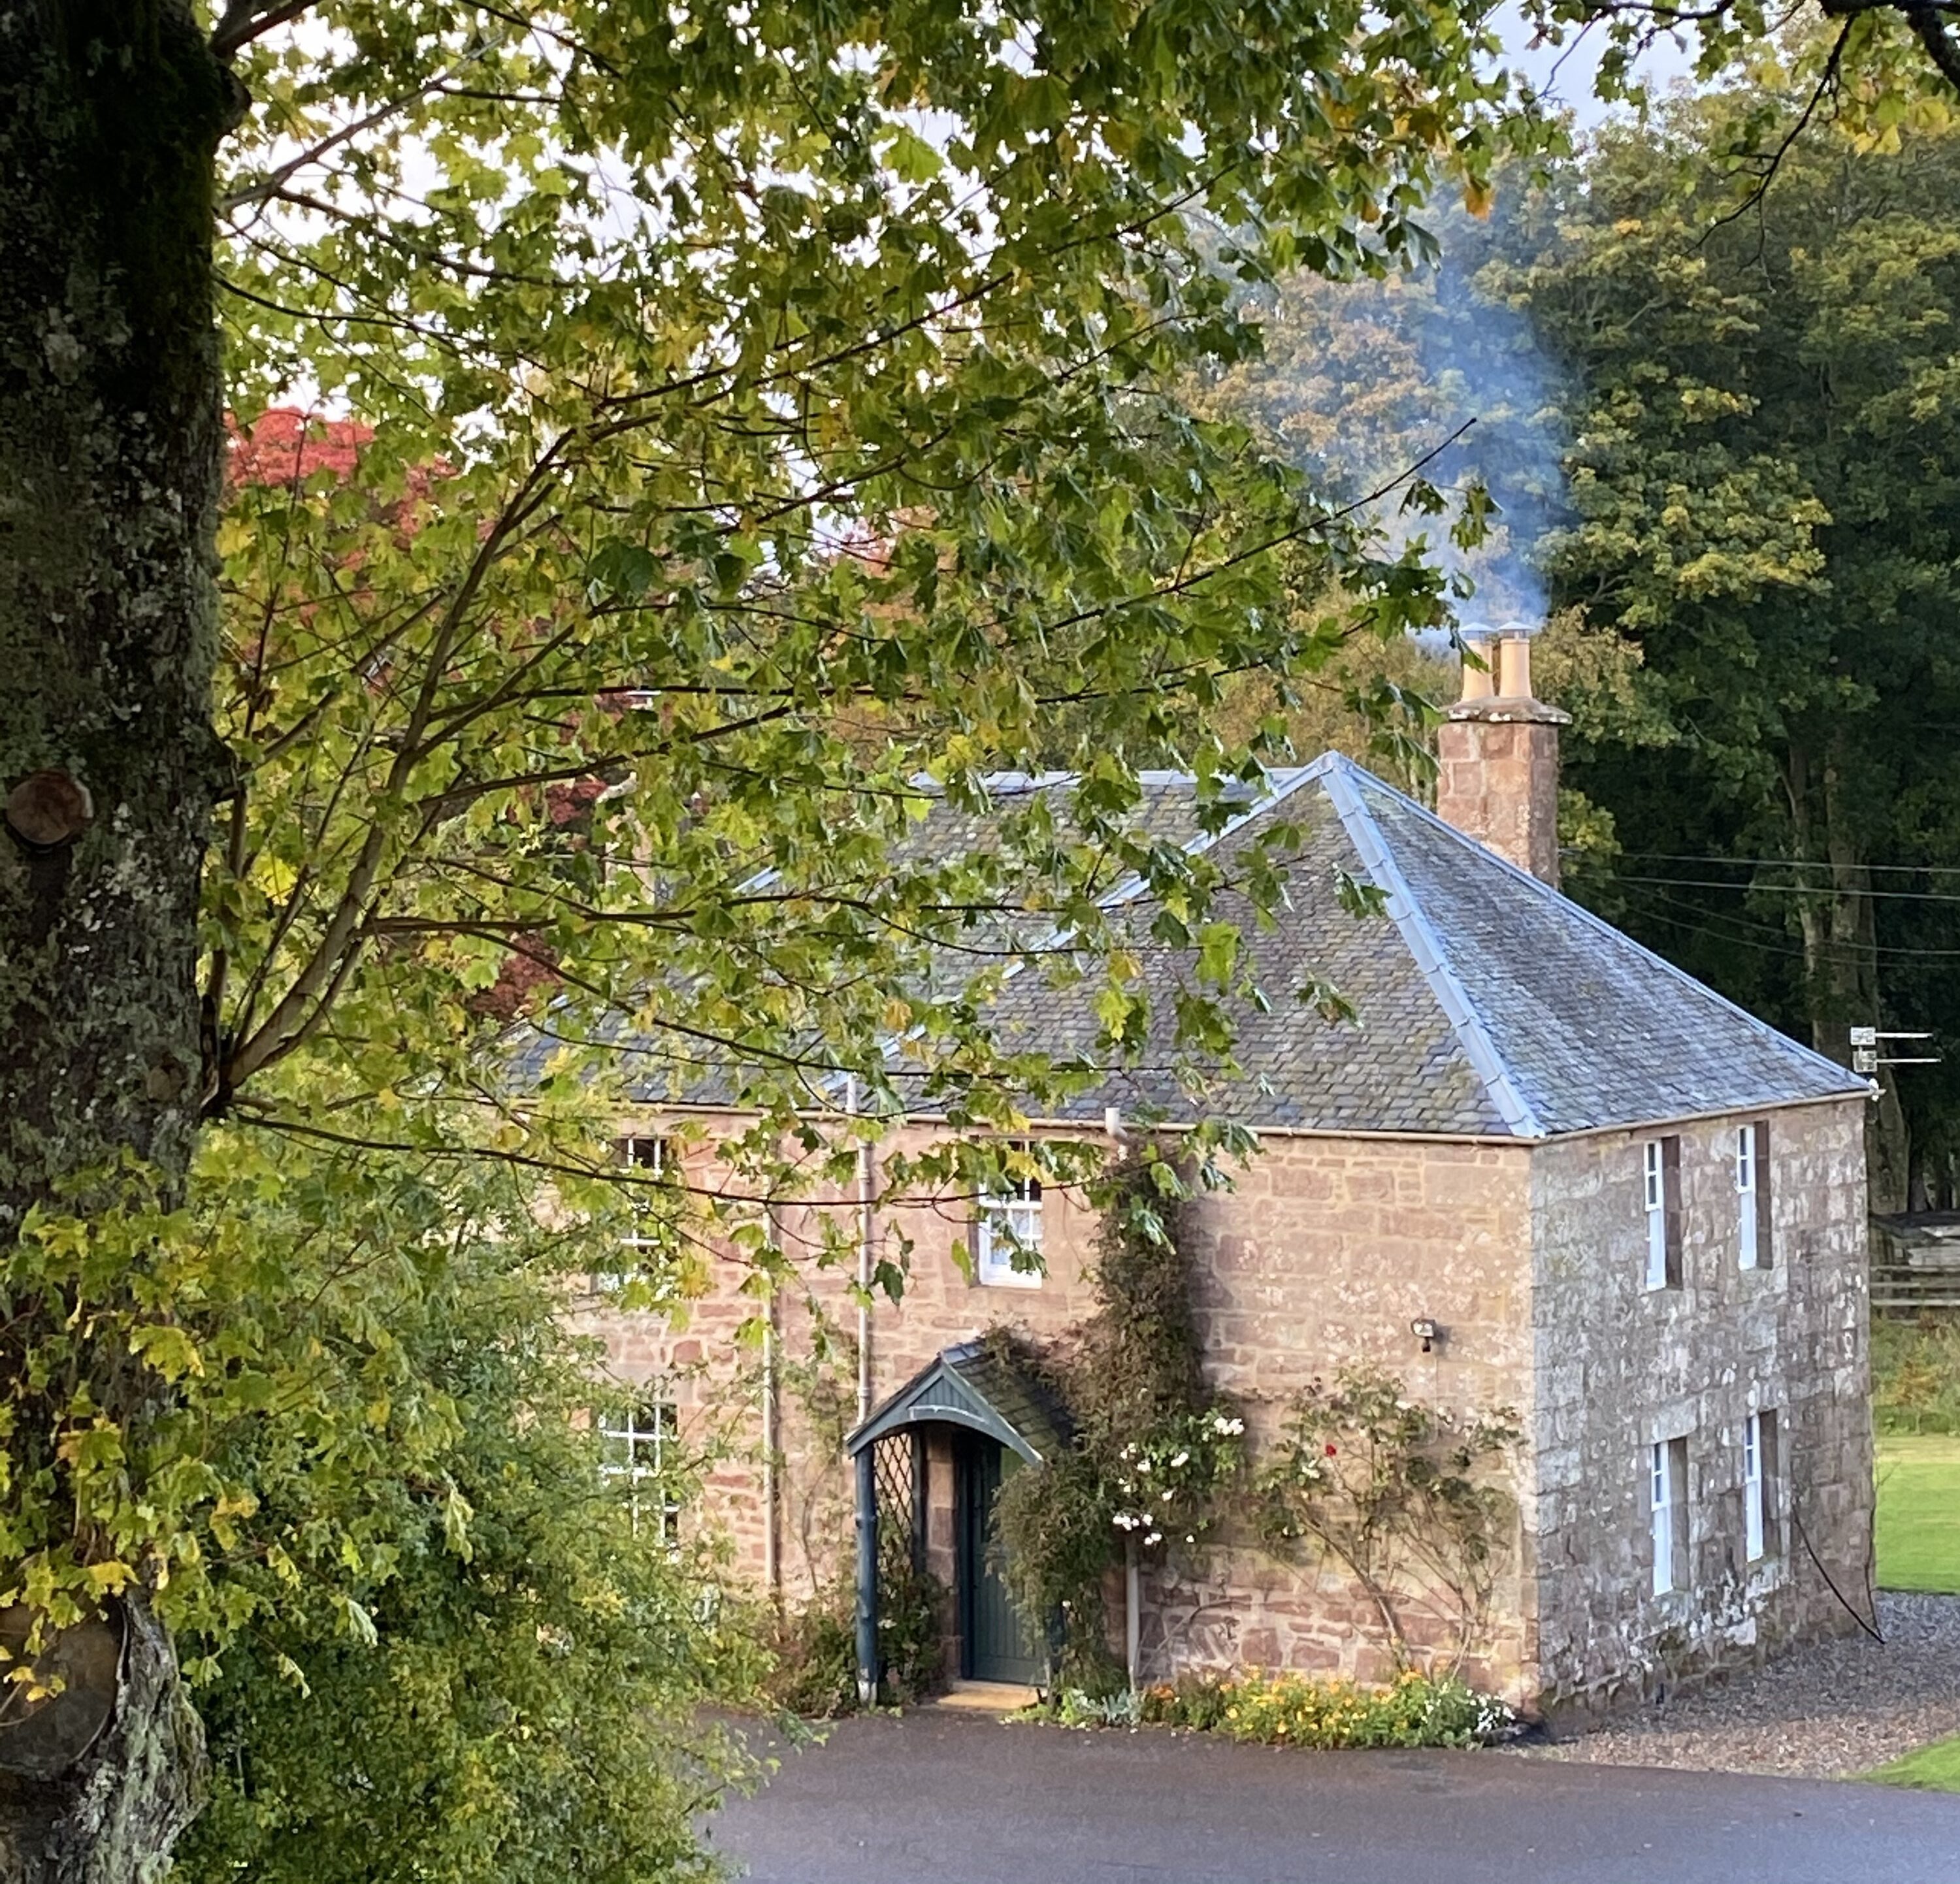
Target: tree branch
<point x="1934" y="34"/>
<point x="245" y="20"/>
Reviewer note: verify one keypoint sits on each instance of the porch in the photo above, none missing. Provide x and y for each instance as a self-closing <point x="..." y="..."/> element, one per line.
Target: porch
<point x="929" y="1464"/>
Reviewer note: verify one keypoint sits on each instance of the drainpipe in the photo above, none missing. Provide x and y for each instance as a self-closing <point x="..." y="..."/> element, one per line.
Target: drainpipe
<point x="867" y="1580"/>
<point x="1132" y="1609"/>
<point x="867" y="1483"/>
<point x="772" y="1572"/>
<point x="864" y="1224"/>
<point x="1133" y="1598"/>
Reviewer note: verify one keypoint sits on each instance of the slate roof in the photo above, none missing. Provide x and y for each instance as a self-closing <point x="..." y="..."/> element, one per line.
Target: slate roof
<point x="1484" y="1002"/>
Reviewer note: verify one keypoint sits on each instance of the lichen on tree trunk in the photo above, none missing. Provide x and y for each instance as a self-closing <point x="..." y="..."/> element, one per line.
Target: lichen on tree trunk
<point x="111" y="437"/>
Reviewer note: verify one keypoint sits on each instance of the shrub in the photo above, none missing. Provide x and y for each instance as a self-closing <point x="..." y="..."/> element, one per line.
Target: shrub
<point x="1916" y="1374"/>
<point x="1155" y="1448"/>
<point x="813" y="1655"/>
<point x="911" y="1604"/>
<point x="813" y="1651"/>
<point x="1402" y="1496"/>
<point x="467" y="1664"/>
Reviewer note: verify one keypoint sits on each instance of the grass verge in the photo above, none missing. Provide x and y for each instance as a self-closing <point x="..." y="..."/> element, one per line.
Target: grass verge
<point x="1928" y="1769"/>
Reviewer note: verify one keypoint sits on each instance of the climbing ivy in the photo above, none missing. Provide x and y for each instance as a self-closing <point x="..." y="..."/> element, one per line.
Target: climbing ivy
<point x="1154" y="1447"/>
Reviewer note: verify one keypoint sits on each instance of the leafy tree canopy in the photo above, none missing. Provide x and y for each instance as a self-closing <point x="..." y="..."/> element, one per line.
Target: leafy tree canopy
<point x="669" y="450"/>
<point x="1766" y="472"/>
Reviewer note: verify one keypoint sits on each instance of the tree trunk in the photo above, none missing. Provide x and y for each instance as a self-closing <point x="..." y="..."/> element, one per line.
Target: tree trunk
<point x="1841" y="961"/>
<point x="110" y="452"/>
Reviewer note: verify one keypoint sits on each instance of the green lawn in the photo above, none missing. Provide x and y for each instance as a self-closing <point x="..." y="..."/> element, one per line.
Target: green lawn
<point x="1932" y="1769"/>
<point x="1919" y="1518"/>
<point x="1919" y="1548"/>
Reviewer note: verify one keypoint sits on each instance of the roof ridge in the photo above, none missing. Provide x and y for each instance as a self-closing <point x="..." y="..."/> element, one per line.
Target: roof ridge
<point x="1600" y="923"/>
<point x="1336" y="771"/>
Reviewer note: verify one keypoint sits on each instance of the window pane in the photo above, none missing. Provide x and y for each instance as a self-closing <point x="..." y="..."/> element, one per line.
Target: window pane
<point x="1663" y="1525"/>
<point x="1656" y="1249"/>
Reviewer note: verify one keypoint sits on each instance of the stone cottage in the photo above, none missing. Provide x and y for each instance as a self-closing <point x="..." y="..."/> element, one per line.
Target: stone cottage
<point x="1539" y="1168"/>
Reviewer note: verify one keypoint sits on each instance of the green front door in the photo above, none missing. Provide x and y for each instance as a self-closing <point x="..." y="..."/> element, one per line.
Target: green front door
<point x="995" y="1644"/>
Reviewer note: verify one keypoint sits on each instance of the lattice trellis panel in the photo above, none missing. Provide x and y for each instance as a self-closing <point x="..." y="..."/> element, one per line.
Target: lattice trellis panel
<point x="893" y="1478"/>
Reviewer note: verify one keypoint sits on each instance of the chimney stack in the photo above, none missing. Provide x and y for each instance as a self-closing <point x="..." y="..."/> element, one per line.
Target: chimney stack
<point x="1497" y="755"/>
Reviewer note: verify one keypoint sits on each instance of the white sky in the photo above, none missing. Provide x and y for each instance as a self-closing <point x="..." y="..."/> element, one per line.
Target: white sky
<point x="1565" y="72"/>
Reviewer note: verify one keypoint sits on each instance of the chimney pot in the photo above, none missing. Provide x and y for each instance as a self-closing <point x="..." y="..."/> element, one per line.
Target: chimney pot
<point x="1514" y="680"/>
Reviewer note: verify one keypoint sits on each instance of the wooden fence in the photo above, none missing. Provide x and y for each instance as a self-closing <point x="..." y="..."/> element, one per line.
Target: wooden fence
<point x="1906" y="1287"/>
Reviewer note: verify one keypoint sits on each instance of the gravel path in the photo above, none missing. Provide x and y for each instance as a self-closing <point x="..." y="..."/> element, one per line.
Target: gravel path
<point x="1835" y="1709"/>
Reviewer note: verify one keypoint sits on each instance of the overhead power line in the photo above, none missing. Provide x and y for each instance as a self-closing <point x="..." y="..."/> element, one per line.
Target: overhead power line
<point x="1795" y="889"/>
<point x="1784" y="862"/>
<point x="1761" y="935"/>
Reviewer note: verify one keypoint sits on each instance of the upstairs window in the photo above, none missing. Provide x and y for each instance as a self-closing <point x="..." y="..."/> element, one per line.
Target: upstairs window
<point x="646" y="1160"/>
<point x="1753" y="1195"/>
<point x="1761" y="1536"/>
<point x="637" y="1454"/>
<point x="1662" y="1170"/>
<point x="1007" y="1222"/>
<point x="1667" y="1503"/>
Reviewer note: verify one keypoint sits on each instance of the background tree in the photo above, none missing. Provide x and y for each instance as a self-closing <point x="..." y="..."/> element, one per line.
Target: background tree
<point x="1724" y="445"/>
<point x="1767" y="447"/>
<point x="733" y="388"/>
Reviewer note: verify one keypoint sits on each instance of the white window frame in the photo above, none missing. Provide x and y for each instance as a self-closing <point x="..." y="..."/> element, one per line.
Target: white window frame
<point x="1667" y="1500"/>
<point x="644" y="1432"/>
<point x="1002" y="1220"/>
<point x="1746" y="1178"/>
<point x="1654" y="1167"/>
<point x="638" y="1151"/>
<point x="1754" y="1510"/>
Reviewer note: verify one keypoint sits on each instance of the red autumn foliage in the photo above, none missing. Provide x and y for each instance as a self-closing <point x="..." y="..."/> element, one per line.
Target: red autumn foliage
<point x="284" y="444"/>
<point x="566" y="804"/>
<point x="519" y="978"/>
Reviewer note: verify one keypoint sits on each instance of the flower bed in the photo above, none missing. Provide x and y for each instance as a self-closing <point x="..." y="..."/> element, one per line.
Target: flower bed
<point x="1414" y="1710"/>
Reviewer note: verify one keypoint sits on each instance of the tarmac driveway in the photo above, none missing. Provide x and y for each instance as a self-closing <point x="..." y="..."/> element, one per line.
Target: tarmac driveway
<point x="939" y="1797"/>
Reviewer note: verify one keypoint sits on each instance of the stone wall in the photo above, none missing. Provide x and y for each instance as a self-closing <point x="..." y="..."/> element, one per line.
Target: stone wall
<point x="712" y="1364"/>
<point x="1621" y="1367"/>
<point x="1322" y="1258"/>
<point x="1323" y="1255"/>
<point x="1530" y="1260"/>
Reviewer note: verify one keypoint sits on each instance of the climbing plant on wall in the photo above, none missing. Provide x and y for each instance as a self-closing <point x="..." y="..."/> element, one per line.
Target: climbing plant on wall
<point x="1403" y="1496"/>
<point x="1154" y="1445"/>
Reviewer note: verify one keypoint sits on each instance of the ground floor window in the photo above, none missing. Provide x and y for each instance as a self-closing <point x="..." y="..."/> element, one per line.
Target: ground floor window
<point x="637" y="1453"/>
<point x="1759" y="1482"/>
<point x="1668" y="1498"/>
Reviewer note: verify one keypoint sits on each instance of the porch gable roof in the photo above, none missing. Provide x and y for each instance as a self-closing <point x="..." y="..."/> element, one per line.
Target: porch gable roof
<point x="971" y="1386"/>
